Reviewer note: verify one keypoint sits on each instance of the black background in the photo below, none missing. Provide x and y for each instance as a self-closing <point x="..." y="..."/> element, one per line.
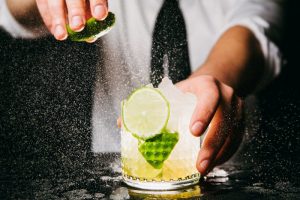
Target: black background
<point x="46" y="99"/>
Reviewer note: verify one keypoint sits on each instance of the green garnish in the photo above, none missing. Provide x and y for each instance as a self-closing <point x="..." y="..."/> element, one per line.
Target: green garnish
<point x="158" y="148"/>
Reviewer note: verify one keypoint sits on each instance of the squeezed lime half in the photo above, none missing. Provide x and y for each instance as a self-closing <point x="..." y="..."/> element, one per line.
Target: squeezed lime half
<point x="93" y="29"/>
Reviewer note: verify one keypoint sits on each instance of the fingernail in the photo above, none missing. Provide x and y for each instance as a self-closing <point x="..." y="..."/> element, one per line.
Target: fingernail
<point x="77" y="21"/>
<point x="197" y="128"/>
<point x="60" y="32"/>
<point x="100" y="12"/>
<point x="204" y="165"/>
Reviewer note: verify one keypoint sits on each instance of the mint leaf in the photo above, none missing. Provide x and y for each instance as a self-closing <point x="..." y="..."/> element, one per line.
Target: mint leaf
<point x="158" y="148"/>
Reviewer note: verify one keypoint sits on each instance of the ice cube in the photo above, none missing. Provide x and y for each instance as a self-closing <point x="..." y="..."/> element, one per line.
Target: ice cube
<point x="182" y="106"/>
<point x="129" y="145"/>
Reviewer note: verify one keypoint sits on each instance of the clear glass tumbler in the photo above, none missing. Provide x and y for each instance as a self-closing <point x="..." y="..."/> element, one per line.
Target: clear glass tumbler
<point x="168" y="163"/>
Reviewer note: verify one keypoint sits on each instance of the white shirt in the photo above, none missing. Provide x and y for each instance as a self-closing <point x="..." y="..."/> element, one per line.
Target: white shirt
<point x="127" y="48"/>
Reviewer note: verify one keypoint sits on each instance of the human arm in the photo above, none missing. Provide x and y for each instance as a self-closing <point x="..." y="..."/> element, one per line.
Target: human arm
<point x="235" y="60"/>
<point x="243" y="60"/>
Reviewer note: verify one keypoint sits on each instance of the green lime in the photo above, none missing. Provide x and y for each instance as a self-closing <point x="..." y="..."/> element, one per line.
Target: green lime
<point x="93" y="29"/>
<point x="145" y="113"/>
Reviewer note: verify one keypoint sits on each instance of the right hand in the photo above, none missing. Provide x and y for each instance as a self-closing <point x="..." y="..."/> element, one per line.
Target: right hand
<point x="221" y="109"/>
<point x="57" y="13"/>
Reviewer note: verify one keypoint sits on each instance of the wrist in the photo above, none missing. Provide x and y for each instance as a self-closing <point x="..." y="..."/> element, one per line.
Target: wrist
<point x="236" y="60"/>
<point x="216" y="71"/>
<point x="211" y="70"/>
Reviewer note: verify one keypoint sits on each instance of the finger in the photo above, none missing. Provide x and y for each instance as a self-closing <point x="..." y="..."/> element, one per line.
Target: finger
<point x="213" y="141"/>
<point x="88" y="12"/>
<point x="91" y="40"/>
<point x="235" y="137"/>
<point x="230" y="146"/>
<point x="119" y="122"/>
<point x="220" y="128"/>
<point x="207" y="93"/>
<point x="99" y="9"/>
<point x="76" y="14"/>
<point x="58" y="18"/>
<point x="44" y="12"/>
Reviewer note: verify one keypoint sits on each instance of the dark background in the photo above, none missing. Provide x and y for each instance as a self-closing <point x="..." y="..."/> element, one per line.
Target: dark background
<point x="45" y="105"/>
<point x="277" y="145"/>
<point x="46" y="98"/>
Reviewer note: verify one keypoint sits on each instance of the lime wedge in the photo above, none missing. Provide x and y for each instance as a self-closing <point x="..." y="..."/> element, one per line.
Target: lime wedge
<point x="93" y="29"/>
<point x="157" y="149"/>
<point x="145" y="113"/>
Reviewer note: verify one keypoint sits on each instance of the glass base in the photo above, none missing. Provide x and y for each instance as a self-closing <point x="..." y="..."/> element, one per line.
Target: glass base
<point x="191" y="192"/>
<point x="161" y="185"/>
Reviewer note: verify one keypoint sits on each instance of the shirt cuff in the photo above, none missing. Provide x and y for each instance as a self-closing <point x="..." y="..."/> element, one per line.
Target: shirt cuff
<point x="272" y="54"/>
<point x="11" y="25"/>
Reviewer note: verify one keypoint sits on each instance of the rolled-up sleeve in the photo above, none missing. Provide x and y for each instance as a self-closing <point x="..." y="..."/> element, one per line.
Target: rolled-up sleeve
<point x="11" y="25"/>
<point x="264" y="19"/>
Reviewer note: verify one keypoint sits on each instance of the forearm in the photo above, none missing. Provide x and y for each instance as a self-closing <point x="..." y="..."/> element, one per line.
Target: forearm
<point x="236" y="60"/>
<point x="26" y="13"/>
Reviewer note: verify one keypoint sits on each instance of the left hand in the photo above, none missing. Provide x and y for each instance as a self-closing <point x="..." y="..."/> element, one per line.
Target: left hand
<point x="219" y="109"/>
<point x="57" y="13"/>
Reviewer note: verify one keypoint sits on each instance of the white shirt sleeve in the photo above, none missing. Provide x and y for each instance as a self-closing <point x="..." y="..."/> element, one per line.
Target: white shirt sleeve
<point x="11" y="25"/>
<point x="264" y="19"/>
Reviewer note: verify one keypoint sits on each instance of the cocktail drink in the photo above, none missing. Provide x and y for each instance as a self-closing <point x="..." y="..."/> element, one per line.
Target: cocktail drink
<point x="158" y="151"/>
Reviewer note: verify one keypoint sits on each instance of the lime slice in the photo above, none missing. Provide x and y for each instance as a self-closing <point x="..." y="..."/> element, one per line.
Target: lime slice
<point x="145" y="113"/>
<point x="157" y="149"/>
<point x="93" y="29"/>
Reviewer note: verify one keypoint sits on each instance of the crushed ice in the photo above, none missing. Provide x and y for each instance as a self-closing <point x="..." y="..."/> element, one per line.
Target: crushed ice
<point x="182" y="106"/>
<point x="120" y="194"/>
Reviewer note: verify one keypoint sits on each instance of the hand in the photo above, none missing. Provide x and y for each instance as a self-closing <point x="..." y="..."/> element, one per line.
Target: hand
<point x="57" y="13"/>
<point x="219" y="110"/>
